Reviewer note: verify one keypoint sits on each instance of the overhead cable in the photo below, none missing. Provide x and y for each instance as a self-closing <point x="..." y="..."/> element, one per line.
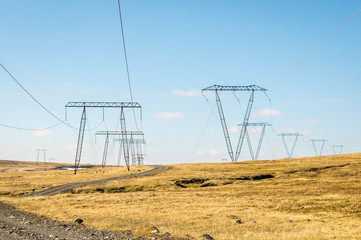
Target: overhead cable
<point x="318" y="45"/>
<point x="126" y="61"/>
<point x="29" y="129"/>
<point x="41" y="105"/>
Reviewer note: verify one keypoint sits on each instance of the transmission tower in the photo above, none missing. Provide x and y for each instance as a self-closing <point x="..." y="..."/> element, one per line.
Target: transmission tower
<point x="295" y="135"/>
<point x="263" y="125"/>
<point x="322" y="142"/>
<point x="124" y="140"/>
<point x="219" y="88"/>
<point x="43" y="151"/>
<point x="136" y="147"/>
<point x="340" y="147"/>
<point x="101" y="105"/>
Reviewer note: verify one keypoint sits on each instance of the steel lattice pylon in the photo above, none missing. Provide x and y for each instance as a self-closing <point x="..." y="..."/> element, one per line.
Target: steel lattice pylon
<point x="322" y="141"/>
<point x="37" y="159"/>
<point x="136" y="148"/>
<point x="218" y="88"/>
<point x="263" y="125"/>
<point x="340" y="147"/>
<point x="125" y="144"/>
<point x="102" y="105"/>
<point x="296" y="135"/>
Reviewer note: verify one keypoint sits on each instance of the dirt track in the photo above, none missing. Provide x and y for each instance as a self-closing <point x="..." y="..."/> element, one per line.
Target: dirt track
<point x="70" y="186"/>
<point x="15" y="224"/>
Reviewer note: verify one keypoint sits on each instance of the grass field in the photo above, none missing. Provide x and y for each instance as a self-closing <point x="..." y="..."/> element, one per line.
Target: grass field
<point x="305" y="198"/>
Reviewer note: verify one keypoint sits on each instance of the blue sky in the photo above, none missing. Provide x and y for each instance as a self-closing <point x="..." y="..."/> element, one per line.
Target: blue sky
<point x="65" y="51"/>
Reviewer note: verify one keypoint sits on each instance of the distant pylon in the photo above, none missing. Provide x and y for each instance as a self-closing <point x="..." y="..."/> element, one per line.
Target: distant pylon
<point x="101" y="105"/>
<point x="137" y="151"/>
<point x="263" y="125"/>
<point x="219" y="88"/>
<point x="322" y="141"/>
<point x="296" y="135"/>
<point x="124" y="141"/>
<point x="40" y="150"/>
<point x="340" y="147"/>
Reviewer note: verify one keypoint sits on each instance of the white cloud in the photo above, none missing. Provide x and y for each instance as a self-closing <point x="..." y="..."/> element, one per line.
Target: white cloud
<point x="214" y="153"/>
<point x="88" y="90"/>
<point x="254" y="129"/>
<point x="312" y="120"/>
<point x="41" y="132"/>
<point x="168" y="115"/>
<point x="233" y="129"/>
<point x="285" y="130"/>
<point x="200" y="153"/>
<point x="332" y="100"/>
<point x="188" y="93"/>
<point x="267" y="112"/>
<point x="305" y="132"/>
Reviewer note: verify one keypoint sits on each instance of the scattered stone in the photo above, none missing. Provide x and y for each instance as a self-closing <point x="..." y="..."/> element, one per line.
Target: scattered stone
<point x="152" y="229"/>
<point x="12" y="216"/>
<point x="78" y="220"/>
<point x="206" y="236"/>
<point x="166" y="235"/>
<point x="253" y="221"/>
<point x="239" y="221"/>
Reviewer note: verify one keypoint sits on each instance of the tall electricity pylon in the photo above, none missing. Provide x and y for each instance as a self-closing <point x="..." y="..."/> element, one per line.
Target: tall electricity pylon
<point x="102" y="105"/>
<point x="136" y="146"/>
<point x="322" y="141"/>
<point x="219" y="88"/>
<point x="340" y="147"/>
<point x="263" y="125"/>
<point x="125" y="143"/>
<point x="296" y="135"/>
<point x="40" y="150"/>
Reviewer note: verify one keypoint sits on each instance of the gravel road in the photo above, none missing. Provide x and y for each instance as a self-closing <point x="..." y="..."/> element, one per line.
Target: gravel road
<point x="18" y="225"/>
<point x="70" y="186"/>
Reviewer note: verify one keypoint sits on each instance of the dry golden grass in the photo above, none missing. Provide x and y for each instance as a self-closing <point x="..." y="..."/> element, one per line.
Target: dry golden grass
<point x="19" y="178"/>
<point x="321" y="195"/>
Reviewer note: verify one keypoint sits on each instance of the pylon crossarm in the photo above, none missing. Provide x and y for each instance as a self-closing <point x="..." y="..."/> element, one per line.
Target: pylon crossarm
<point x="104" y="104"/>
<point x="116" y="132"/>
<point x="261" y="124"/>
<point x="233" y="88"/>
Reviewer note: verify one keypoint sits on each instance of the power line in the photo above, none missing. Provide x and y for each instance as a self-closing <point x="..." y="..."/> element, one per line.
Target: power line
<point x="126" y="61"/>
<point x="41" y="105"/>
<point x="28" y="129"/>
<point x="317" y="46"/>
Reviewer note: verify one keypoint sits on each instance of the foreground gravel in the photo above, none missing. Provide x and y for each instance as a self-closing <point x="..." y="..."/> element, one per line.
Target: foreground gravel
<point x="18" y="225"/>
<point x="15" y="224"/>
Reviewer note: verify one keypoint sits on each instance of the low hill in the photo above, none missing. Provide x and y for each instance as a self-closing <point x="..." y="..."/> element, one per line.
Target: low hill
<point x="304" y="198"/>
